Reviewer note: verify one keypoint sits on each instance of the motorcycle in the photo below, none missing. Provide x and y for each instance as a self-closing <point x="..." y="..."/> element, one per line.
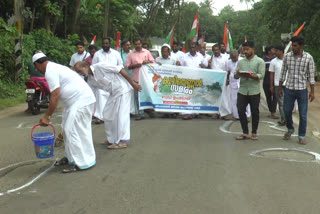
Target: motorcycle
<point x="37" y="96"/>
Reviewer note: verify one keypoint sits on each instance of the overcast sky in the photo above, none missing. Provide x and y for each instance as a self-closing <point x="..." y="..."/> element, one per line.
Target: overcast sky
<point x="219" y="4"/>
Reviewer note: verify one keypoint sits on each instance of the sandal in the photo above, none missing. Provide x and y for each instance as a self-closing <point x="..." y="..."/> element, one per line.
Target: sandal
<point x="61" y="162"/>
<point x="139" y="118"/>
<point x="215" y="116"/>
<point x="302" y="141"/>
<point x="70" y="168"/>
<point x="118" y="146"/>
<point x="242" y="137"/>
<point x="287" y="135"/>
<point x="254" y="137"/>
<point x="187" y="117"/>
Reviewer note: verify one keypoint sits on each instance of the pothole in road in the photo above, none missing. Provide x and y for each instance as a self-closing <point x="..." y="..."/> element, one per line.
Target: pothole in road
<point x="288" y="154"/>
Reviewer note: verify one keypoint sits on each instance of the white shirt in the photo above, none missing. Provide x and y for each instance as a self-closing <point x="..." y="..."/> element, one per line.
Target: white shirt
<point x="219" y="63"/>
<point x="108" y="78"/>
<point x="111" y="57"/>
<point x="76" y="57"/>
<point x="168" y="61"/>
<point x="226" y="55"/>
<point x="178" y="55"/>
<point x="206" y="59"/>
<point x="192" y="61"/>
<point x="232" y="66"/>
<point x="275" y="66"/>
<point x="74" y="91"/>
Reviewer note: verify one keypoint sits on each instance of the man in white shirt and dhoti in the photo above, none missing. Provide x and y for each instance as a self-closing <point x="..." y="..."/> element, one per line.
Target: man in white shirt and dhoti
<point x="234" y="84"/>
<point x="78" y="100"/>
<point x="118" y="83"/>
<point x="192" y="59"/>
<point x="219" y="62"/>
<point x="112" y="57"/>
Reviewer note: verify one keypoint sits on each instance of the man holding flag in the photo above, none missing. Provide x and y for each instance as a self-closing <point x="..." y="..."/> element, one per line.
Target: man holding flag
<point x="193" y="35"/>
<point x="227" y="44"/>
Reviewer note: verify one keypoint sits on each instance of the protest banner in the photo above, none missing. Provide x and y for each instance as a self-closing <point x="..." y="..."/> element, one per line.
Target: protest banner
<point x="169" y="88"/>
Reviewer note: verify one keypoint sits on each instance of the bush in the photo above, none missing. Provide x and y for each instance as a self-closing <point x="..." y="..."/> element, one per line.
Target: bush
<point x="57" y="50"/>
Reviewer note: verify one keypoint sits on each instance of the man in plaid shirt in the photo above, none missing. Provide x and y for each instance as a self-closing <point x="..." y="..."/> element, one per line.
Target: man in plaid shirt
<point x="297" y="70"/>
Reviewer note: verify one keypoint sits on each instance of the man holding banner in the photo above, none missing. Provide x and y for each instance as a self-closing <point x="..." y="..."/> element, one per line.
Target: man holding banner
<point x="195" y="60"/>
<point x="219" y="62"/>
<point x="251" y="70"/>
<point x="136" y="58"/>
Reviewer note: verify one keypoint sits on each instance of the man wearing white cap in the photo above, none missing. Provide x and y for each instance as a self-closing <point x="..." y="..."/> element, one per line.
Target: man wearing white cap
<point x="117" y="82"/>
<point x="165" y="57"/>
<point x="78" y="100"/>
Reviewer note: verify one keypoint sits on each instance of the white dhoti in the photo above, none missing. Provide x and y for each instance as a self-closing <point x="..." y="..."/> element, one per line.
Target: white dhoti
<point x="225" y="105"/>
<point x="101" y="100"/>
<point x="117" y="118"/>
<point x="234" y="97"/>
<point x="77" y="132"/>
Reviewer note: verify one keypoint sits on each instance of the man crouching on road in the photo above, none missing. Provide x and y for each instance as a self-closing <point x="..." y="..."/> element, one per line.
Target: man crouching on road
<point x="78" y="100"/>
<point x="116" y="114"/>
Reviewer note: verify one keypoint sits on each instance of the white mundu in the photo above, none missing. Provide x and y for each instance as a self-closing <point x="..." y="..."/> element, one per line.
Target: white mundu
<point x="225" y="108"/>
<point x="76" y="57"/>
<point x="234" y="86"/>
<point x="78" y="102"/>
<point x="111" y="57"/>
<point x="117" y="110"/>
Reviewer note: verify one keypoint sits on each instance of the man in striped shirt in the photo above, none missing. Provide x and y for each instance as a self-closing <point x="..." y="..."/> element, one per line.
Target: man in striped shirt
<point x="297" y="70"/>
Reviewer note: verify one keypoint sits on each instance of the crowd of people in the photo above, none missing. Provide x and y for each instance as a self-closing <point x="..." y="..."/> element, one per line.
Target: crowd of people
<point x="104" y="85"/>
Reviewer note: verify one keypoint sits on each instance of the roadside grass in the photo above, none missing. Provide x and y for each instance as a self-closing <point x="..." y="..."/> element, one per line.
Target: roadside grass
<point x="12" y="101"/>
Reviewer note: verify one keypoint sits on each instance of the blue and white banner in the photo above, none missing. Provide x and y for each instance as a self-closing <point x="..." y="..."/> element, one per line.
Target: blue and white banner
<point x="169" y="88"/>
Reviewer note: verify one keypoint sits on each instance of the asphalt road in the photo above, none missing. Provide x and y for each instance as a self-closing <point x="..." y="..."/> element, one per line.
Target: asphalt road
<point x="171" y="166"/>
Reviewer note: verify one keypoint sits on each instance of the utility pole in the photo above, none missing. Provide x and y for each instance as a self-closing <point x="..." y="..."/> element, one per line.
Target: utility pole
<point x="106" y="18"/>
<point x="18" y="21"/>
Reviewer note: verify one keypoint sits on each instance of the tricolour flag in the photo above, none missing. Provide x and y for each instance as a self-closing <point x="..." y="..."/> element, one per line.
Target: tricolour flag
<point x="170" y="37"/>
<point x="93" y="40"/>
<point x="118" y="40"/>
<point x="193" y="35"/>
<point x="227" y="40"/>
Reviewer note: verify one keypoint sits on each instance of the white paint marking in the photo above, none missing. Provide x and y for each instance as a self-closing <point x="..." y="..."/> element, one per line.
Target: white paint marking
<point x="20" y="125"/>
<point x="226" y="126"/>
<point x="314" y="154"/>
<point x="17" y="164"/>
<point x="30" y="182"/>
